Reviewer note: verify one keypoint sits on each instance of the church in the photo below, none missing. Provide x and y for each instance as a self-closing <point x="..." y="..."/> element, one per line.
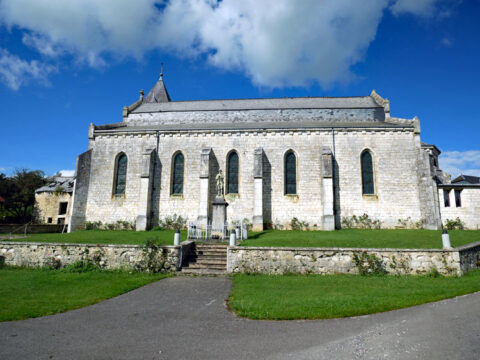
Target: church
<point x="316" y="159"/>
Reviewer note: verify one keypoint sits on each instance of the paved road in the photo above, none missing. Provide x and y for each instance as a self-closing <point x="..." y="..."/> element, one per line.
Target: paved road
<point x="186" y="318"/>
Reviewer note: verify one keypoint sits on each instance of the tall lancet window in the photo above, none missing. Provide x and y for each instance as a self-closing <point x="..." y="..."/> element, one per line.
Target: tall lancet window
<point x="232" y="173"/>
<point x="368" y="187"/>
<point x="290" y="173"/>
<point x="120" y="174"/>
<point x="177" y="178"/>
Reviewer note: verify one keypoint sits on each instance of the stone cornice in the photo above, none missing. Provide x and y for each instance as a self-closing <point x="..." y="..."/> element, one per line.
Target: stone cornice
<point x="254" y="132"/>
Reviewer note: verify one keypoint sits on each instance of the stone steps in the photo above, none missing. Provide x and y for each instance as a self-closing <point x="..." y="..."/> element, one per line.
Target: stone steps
<point x="216" y="261"/>
<point x="202" y="272"/>
<point x="207" y="259"/>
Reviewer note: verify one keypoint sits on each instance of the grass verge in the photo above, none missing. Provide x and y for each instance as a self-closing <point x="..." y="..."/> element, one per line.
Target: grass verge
<point x="28" y="293"/>
<point x="291" y="297"/>
<point x="395" y="238"/>
<point x="123" y="237"/>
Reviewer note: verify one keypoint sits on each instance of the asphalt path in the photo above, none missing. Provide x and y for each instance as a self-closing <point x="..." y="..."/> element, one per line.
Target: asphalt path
<point x="186" y="318"/>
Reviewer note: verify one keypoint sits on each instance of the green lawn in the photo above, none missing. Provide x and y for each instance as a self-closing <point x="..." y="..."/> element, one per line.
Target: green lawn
<point x="330" y="296"/>
<point x="27" y="293"/>
<point x="397" y="238"/>
<point x="164" y="237"/>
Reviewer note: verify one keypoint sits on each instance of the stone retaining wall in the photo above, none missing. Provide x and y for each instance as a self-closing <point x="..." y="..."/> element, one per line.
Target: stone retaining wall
<point x="31" y="254"/>
<point x="469" y="256"/>
<point x="341" y="260"/>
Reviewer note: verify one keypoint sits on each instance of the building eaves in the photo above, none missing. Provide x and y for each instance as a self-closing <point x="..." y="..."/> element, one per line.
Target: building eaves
<point x="284" y="125"/>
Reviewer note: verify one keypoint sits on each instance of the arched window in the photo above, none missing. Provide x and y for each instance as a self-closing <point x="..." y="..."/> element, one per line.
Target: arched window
<point x="232" y="173"/>
<point x="368" y="187"/>
<point x="290" y="173"/>
<point x="120" y="174"/>
<point x="177" y="178"/>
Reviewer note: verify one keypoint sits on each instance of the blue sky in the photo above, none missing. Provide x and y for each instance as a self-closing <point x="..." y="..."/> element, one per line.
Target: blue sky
<point x="64" y="65"/>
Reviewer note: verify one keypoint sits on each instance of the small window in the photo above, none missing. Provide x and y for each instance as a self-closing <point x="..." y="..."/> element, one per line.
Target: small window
<point x="178" y="168"/>
<point x="62" y="209"/>
<point x="290" y="173"/>
<point x="458" y="198"/>
<point x="446" y="198"/>
<point x="232" y="173"/>
<point x="368" y="187"/>
<point x="120" y="175"/>
<point x="49" y="220"/>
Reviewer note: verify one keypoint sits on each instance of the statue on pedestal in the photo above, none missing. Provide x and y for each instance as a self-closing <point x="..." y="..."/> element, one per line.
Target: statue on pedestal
<point x="220" y="181"/>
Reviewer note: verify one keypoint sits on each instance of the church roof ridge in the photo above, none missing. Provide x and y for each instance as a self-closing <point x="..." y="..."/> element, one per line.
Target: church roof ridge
<point x="276" y="98"/>
<point x="357" y="102"/>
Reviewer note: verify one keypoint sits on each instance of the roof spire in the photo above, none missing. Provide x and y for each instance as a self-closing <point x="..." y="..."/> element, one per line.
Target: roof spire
<point x="159" y="92"/>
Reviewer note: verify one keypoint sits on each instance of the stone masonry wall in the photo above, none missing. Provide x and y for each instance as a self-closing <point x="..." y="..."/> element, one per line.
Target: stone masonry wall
<point x="470" y="257"/>
<point x="47" y="205"/>
<point x="469" y="212"/>
<point x="396" y="184"/>
<point x="340" y="260"/>
<point x="112" y="256"/>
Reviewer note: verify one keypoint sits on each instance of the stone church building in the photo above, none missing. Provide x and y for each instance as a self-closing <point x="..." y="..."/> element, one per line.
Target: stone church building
<point x="318" y="159"/>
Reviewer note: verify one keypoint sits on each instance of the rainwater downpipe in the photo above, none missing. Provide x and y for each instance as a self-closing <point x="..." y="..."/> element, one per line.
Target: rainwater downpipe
<point x="333" y="177"/>
<point x="152" y="195"/>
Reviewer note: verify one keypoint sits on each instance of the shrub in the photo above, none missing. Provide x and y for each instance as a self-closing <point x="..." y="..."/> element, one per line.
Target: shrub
<point x="2" y="262"/>
<point x="86" y="263"/>
<point x="80" y="266"/>
<point x="153" y="257"/>
<point x="248" y="223"/>
<point x="296" y="224"/>
<point x="174" y="222"/>
<point x="407" y="223"/>
<point x="369" y="264"/>
<point x="455" y="224"/>
<point x="93" y="225"/>
<point x="361" y="222"/>
<point x="53" y="263"/>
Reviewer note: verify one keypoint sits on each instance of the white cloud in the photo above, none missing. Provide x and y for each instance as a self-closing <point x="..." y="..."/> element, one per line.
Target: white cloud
<point x="15" y="72"/>
<point x="275" y="42"/>
<point x="67" y="172"/>
<point x="460" y="162"/>
<point x="415" y="7"/>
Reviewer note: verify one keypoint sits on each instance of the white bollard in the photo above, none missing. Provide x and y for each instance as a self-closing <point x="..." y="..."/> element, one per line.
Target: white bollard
<point x="233" y="238"/>
<point x="446" y="240"/>
<point x="176" y="238"/>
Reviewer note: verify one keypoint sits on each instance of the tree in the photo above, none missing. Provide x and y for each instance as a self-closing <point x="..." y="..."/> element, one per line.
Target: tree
<point x="19" y="194"/>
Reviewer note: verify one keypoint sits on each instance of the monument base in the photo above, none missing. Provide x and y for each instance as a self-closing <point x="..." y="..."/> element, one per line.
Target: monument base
<point x="219" y="217"/>
<point x="257" y="224"/>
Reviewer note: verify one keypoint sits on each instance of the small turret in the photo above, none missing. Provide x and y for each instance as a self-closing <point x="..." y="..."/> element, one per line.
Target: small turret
<point x="159" y="92"/>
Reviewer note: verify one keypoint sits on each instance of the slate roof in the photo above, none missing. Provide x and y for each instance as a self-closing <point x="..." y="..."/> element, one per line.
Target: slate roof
<point x="466" y="180"/>
<point x="66" y="182"/>
<point x="158" y="94"/>
<point x="359" y="102"/>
